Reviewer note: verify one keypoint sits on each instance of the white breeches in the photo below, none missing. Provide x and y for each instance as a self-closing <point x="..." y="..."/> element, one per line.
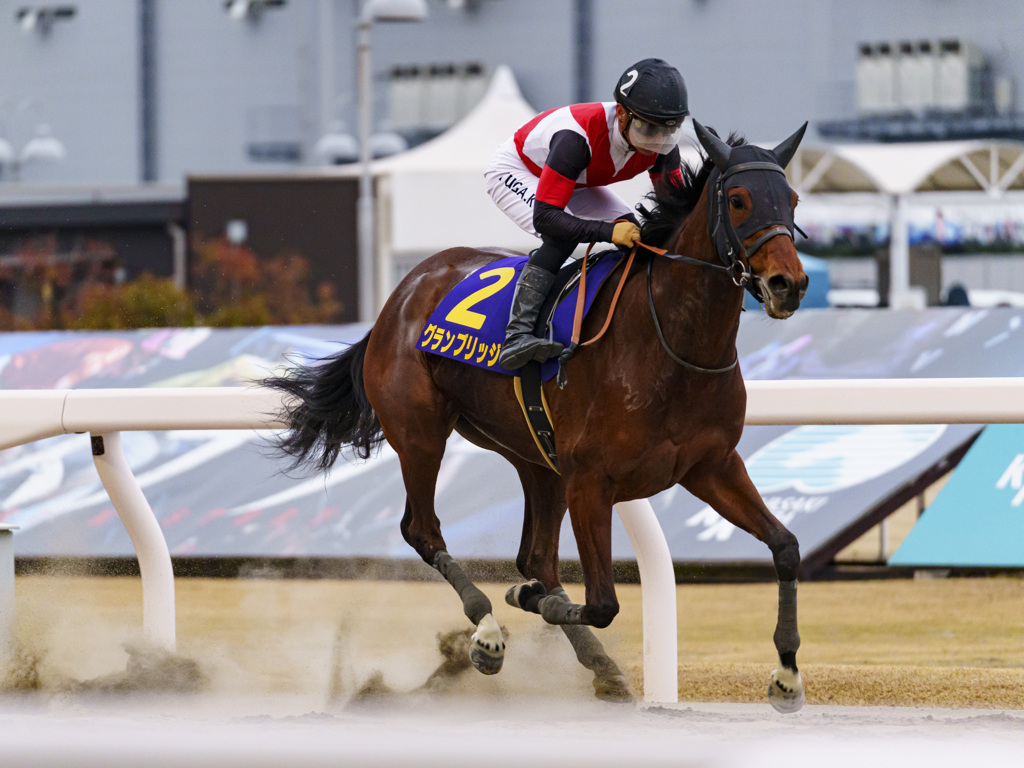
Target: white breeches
<point x="513" y="187"/>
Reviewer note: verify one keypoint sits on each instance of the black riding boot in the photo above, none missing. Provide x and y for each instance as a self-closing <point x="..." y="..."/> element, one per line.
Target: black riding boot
<point x="521" y="346"/>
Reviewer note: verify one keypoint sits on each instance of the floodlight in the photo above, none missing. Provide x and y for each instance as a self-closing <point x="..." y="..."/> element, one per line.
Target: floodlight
<point x="337" y="148"/>
<point x="240" y="10"/>
<point x="395" y="10"/>
<point x="43" y="146"/>
<point x="40" y="19"/>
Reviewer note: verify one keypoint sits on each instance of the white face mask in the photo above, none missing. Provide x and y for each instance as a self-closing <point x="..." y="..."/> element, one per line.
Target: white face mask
<point x="651" y="137"/>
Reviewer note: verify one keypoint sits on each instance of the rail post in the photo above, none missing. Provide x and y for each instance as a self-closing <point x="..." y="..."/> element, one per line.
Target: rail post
<point x="158" y="617"/>
<point x="658" y="595"/>
<point x="6" y="598"/>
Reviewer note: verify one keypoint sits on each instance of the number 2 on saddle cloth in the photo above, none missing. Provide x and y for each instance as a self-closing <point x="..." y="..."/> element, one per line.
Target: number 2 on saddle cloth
<point x="469" y="323"/>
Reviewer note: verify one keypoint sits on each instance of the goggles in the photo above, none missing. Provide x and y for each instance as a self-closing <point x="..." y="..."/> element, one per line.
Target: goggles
<point x="652" y="137"/>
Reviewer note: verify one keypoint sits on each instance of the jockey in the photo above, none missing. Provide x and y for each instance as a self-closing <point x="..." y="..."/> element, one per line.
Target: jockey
<point x="549" y="178"/>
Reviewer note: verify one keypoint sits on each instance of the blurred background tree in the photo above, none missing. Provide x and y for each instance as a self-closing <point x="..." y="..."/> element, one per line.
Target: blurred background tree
<point x="230" y="286"/>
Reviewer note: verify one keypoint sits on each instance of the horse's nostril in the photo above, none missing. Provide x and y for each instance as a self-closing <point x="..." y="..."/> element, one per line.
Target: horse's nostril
<point x="804" y="283"/>
<point x="779" y="284"/>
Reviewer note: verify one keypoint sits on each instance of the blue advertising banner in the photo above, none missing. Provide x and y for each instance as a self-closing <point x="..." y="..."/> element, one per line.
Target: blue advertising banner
<point x="818" y="480"/>
<point x="977" y="520"/>
<point x="221" y="493"/>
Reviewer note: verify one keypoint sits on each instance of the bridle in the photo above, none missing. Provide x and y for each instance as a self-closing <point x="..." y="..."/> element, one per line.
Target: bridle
<point x="773" y="219"/>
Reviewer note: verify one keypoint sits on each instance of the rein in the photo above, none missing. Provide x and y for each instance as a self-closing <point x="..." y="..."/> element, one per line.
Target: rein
<point x="738" y="279"/>
<point x="577" y="319"/>
<point x="654" y="313"/>
<point x="728" y="245"/>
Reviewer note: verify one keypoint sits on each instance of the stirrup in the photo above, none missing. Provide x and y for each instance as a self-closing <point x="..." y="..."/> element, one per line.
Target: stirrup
<point x="520" y="350"/>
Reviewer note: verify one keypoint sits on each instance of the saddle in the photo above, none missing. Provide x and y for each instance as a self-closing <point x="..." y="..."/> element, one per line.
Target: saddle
<point x="468" y="325"/>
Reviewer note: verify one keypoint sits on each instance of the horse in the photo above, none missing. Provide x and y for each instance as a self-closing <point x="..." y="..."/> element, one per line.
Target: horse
<point x="659" y="401"/>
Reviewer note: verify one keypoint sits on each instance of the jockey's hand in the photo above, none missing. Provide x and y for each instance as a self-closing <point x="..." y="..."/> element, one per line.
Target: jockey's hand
<point x="625" y="233"/>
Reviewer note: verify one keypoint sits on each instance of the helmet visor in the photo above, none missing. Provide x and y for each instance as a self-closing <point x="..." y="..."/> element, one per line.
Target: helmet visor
<point x="651" y="137"/>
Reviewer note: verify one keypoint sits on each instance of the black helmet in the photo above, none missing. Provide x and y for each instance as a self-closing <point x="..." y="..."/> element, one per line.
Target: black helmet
<point x="653" y="90"/>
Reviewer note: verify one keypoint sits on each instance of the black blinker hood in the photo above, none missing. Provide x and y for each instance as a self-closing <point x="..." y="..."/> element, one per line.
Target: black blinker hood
<point x="770" y="198"/>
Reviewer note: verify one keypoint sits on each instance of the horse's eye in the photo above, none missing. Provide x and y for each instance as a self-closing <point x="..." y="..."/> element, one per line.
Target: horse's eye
<point x="736" y="202"/>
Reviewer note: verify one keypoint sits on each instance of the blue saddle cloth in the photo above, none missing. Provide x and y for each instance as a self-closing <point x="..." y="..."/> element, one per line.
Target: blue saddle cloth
<point x="469" y="323"/>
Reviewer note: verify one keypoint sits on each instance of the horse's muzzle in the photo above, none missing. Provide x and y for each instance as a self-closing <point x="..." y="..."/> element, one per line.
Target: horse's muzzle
<point x="782" y="294"/>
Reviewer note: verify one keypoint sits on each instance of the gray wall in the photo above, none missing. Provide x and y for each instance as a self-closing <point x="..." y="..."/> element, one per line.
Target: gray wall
<point x="753" y="66"/>
<point x="81" y="80"/>
<point x="762" y="68"/>
<point x="221" y="82"/>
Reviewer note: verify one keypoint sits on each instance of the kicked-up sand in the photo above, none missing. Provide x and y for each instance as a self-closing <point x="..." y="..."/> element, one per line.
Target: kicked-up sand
<point x="933" y="642"/>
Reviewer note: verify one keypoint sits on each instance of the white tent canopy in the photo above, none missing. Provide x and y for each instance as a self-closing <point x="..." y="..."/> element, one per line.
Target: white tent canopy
<point x="469" y="144"/>
<point x="436" y="191"/>
<point x="993" y="167"/>
<point x="895" y="175"/>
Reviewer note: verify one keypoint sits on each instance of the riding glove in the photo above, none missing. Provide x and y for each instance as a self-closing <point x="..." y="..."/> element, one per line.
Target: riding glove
<point x="625" y="233"/>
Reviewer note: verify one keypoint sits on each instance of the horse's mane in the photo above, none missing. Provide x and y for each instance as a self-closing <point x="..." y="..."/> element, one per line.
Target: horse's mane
<point x="675" y="200"/>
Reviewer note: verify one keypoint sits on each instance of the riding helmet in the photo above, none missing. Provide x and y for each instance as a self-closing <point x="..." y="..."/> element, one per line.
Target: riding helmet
<point x="653" y="90"/>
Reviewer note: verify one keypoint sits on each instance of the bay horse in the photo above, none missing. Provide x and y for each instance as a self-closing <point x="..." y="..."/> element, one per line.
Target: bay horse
<point x="659" y="401"/>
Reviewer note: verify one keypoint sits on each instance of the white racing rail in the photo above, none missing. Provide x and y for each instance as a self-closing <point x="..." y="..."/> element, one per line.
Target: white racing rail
<point x="29" y="415"/>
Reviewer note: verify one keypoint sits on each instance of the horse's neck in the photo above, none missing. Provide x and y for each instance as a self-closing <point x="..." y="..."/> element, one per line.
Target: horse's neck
<point x="699" y="308"/>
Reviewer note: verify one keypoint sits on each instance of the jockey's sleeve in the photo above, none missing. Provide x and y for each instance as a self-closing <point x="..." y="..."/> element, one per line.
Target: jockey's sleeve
<point x="568" y="157"/>
<point x="667" y="164"/>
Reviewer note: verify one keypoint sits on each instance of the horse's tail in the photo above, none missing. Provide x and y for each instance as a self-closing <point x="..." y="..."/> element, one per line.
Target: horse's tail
<point x="327" y="410"/>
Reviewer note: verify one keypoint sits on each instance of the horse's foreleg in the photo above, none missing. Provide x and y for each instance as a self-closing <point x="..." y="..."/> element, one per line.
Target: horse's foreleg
<point x="786" y="689"/>
<point x="727" y="488"/>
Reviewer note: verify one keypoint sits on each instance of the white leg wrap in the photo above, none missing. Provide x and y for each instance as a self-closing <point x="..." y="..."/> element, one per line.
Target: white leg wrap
<point x="786" y="690"/>
<point x="487" y="650"/>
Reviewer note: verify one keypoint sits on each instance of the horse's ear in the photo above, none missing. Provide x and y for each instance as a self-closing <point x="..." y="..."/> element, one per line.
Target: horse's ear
<point x="785" y="151"/>
<point x="717" y="149"/>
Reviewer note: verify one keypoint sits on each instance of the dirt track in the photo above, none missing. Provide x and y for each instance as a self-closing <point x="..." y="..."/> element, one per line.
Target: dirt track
<point x="957" y="643"/>
<point x="168" y="734"/>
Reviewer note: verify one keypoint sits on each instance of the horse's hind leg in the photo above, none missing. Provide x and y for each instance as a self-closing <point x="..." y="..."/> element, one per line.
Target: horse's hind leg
<point x="538" y="560"/>
<point x="417" y="423"/>
<point x="487" y="646"/>
<point x="727" y="488"/>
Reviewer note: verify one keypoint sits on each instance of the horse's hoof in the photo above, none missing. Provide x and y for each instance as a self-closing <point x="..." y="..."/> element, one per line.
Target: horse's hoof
<point x="487" y="649"/>
<point x="786" y="691"/>
<point x="612" y="688"/>
<point x="520" y="595"/>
